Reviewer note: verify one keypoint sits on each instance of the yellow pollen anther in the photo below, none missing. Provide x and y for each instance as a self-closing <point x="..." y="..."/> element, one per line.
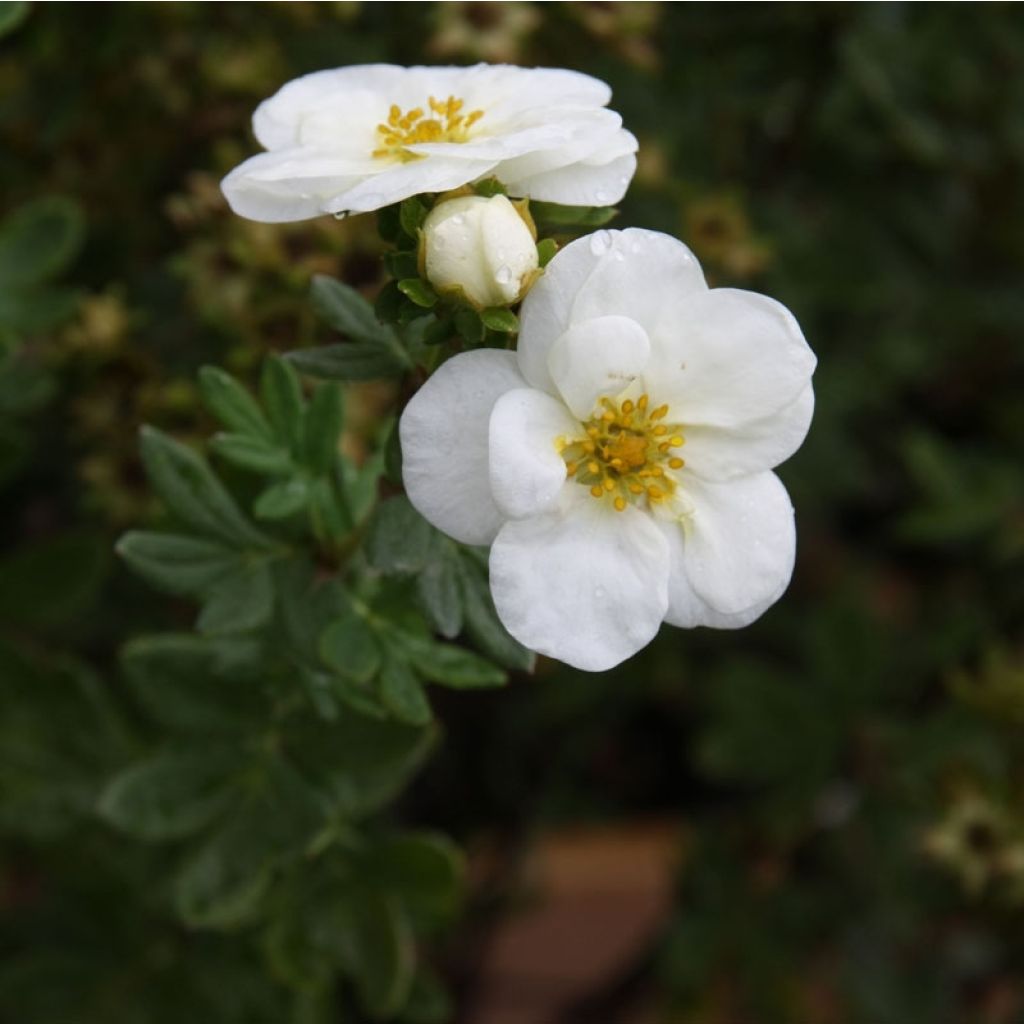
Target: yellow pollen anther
<point x="622" y="454"/>
<point x="677" y="441"/>
<point x="448" y="124"/>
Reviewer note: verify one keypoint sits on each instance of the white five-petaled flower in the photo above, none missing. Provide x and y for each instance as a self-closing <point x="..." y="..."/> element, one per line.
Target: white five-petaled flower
<point x="619" y="463"/>
<point x="360" y="138"/>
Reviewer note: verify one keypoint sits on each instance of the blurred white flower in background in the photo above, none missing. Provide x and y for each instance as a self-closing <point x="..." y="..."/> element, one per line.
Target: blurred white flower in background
<point x="359" y="138"/>
<point x="619" y="463"/>
<point x="481" y="250"/>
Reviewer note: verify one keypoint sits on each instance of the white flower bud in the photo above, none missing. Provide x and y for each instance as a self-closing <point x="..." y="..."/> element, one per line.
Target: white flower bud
<point x="480" y="247"/>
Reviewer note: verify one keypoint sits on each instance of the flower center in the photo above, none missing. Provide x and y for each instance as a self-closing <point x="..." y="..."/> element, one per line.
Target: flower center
<point x="444" y="123"/>
<point x="626" y="452"/>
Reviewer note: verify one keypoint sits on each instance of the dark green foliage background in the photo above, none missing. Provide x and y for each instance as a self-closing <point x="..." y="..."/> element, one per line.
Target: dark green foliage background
<point x="848" y="770"/>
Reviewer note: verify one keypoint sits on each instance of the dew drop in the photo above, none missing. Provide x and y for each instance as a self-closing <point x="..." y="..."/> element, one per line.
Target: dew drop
<point x="600" y="196"/>
<point x="503" y="275"/>
<point x="600" y="242"/>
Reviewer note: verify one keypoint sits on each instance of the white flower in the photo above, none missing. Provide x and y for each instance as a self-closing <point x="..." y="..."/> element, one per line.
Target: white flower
<point x="479" y="247"/>
<point x="619" y="462"/>
<point x="360" y="138"/>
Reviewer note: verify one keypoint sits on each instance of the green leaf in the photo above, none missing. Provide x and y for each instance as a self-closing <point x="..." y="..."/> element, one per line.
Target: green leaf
<point x="402" y="264"/>
<point x="253" y="453"/>
<point x="428" y="1002"/>
<point x="176" y="563"/>
<point x="383" y="955"/>
<point x="425" y="870"/>
<point x="192" y="493"/>
<point x="343" y="308"/>
<point x="282" y="500"/>
<point x="546" y="249"/>
<point x="190" y="684"/>
<point x="490" y="187"/>
<point x="438" y="587"/>
<point x="282" y="397"/>
<point x="170" y="795"/>
<point x="349" y="647"/>
<point x="389" y="223"/>
<point x="52" y="581"/>
<point x="12" y="14"/>
<point x="38" y="240"/>
<point x="350" y="361"/>
<point x="412" y="213"/>
<point x="557" y="216"/>
<point x="322" y="428"/>
<point x="469" y="326"/>
<point x="37" y="309"/>
<point x="222" y="885"/>
<point x="482" y="622"/>
<point x="452" y="666"/>
<point x="438" y="331"/>
<point x="232" y="404"/>
<point x="240" y="601"/>
<point x="399" y="539"/>
<point x="497" y="318"/>
<point x="418" y="291"/>
<point x="328" y="511"/>
<point x="402" y="693"/>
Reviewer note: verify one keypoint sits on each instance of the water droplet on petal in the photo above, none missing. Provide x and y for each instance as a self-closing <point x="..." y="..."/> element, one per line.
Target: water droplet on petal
<point x="600" y="196"/>
<point x="600" y="242"/>
<point x="503" y="275"/>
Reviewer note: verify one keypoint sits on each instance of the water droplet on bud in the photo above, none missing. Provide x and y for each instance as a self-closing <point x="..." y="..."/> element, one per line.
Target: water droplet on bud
<point x="503" y="275"/>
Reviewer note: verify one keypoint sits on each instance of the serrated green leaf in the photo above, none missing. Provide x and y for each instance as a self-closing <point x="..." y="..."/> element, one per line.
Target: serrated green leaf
<point x="399" y="539"/>
<point x="349" y="361"/>
<point x="176" y="563"/>
<point x="418" y="291"/>
<point x="253" y="453"/>
<point x="38" y="240"/>
<point x="171" y="794"/>
<point x="232" y="404"/>
<point x="343" y="308"/>
<point x="281" y="392"/>
<point x="412" y="213"/>
<point x="452" y="666"/>
<point x="349" y="647"/>
<point x="241" y="601"/>
<point x="282" y="500"/>
<point x="401" y="692"/>
<point x="192" y="493"/>
<point x="322" y="427"/>
<point x="497" y="318"/>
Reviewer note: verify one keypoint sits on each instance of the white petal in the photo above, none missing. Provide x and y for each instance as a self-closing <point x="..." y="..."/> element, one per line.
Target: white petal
<point x="527" y="471"/>
<point x="597" y="357"/>
<point x="686" y="608"/>
<point x="740" y="541"/>
<point x="628" y="273"/>
<point x="586" y="585"/>
<point x="723" y="453"/>
<point x="577" y="184"/>
<point x="728" y="357"/>
<point x="400" y="181"/>
<point x="443" y="432"/>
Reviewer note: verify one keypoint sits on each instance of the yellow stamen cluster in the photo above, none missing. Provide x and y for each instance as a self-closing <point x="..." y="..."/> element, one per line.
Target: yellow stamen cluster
<point x="626" y="452"/>
<point x="445" y="123"/>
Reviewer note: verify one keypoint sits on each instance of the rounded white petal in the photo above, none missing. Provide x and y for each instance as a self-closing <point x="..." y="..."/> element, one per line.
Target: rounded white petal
<point x="728" y="357"/>
<point x="577" y="184"/>
<point x="740" y="541"/>
<point x="632" y="273"/>
<point x="597" y="357"/>
<point x="584" y="584"/>
<point x="527" y="471"/>
<point x="686" y="608"/>
<point x="444" y="438"/>
<point x="723" y="453"/>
